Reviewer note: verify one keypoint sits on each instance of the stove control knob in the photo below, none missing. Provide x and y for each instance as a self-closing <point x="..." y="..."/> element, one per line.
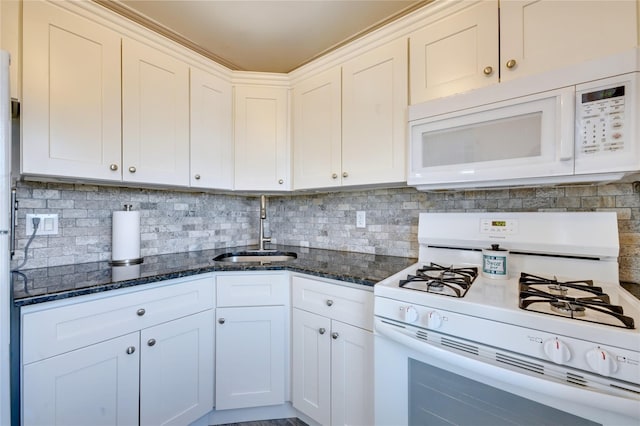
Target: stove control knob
<point x="557" y="351"/>
<point x="434" y="320"/>
<point x="410" y="314"/>
<point x="601" y="361"/>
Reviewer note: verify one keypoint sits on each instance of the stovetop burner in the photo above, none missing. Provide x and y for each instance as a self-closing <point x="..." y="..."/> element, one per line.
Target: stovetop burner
<point x="579" y="300"/>
<point x="438" y="279"/>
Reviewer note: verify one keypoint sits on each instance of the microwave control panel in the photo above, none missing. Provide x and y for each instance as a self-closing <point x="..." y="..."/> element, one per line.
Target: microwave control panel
<point x="601" y="119"/>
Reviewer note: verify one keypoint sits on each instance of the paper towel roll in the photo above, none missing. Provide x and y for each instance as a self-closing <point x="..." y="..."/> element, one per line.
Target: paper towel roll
<point x="123" y="273"/>
<point x="125" y="237"/>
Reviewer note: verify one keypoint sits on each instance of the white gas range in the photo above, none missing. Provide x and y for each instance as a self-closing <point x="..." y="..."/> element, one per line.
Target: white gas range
<point x="558" y="338"/>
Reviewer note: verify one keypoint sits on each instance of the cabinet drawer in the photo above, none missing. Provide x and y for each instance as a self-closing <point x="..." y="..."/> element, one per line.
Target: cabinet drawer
<point x="251" y="290"/>
<point x="63" y="326"/>
<point x="344" y="304"/>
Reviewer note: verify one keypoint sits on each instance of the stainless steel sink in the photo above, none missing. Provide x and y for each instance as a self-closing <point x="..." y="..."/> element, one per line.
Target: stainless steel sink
<point x="256" y="256"/>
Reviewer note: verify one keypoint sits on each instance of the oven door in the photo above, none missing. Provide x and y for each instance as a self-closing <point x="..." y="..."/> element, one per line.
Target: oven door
<point x="417" y="382"/>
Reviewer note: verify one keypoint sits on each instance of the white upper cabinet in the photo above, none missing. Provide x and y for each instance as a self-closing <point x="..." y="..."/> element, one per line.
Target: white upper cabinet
<point x="71" y="95"/>
<point x="262" y="158"/>
<point x="374" y="115"/>
<point x="155" y="116"/>
<point x="455" y="53"/>
<point x="541" y="35"/>
<point x="317" y="131"/>
<point x="475" y="44"/>
<point x="211" y="127"/>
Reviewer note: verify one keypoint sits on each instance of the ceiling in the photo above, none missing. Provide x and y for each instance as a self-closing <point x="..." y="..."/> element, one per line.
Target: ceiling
<point x="263" y="35"/>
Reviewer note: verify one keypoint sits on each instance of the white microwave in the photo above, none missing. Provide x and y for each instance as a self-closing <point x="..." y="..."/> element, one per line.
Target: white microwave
<point x="574" y="134"/>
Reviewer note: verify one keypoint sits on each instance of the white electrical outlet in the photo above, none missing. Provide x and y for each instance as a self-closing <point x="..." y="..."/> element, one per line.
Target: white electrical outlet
<point x="361" y="219"/>
<point x="48" y="224"/>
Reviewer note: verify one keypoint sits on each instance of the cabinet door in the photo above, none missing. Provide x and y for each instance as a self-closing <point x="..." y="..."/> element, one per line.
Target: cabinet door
<point x="312" y="365"/>
<point x="211" y="141"/>
<point x="71" y="95"/>
<point x="351" y="375"/>
<point x="176" y="371"/>
<point x="542" y="35"/>
<point x="250" y="356"/>
<point x="456" y="53"/>
<point x="95" y="385"/>
<point x="155" y="116"/>
<point x="317" y="131"/>
<point x="261" y="140"/>
<point x="374" y="116"/>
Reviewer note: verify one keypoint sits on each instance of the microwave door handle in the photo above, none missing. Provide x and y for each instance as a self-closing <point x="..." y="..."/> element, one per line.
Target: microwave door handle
<point x="566" y="148"/>
<point x="566" y="114"/>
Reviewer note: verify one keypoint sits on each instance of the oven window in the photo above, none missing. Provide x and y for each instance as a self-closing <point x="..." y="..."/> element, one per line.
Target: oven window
<point x="439" y="397"/>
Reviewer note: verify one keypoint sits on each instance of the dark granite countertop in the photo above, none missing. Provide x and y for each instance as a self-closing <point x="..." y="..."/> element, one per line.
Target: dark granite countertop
<point x="39" y="285"/>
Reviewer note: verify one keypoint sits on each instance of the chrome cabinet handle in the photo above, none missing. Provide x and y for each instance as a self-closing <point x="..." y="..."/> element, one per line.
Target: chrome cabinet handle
<point x="151" y="342"/>
<point x="487" y="70"/>
<point x="130" y="350"/>
<point x="322" y="331"/>
<point x="511" y="63"/>
<point x="281" y="181"/>
<point x="221" y="321"/>
<point x="132" y="169"/>
<point x="197" y="177"/>
<point x="334" y="176"/>
<point x="141" y="312"/>
<point x="345" y="174"/>
<point x="113" y="167"/>
<point x="334" y="335"/>
<point x="329" y="302"/>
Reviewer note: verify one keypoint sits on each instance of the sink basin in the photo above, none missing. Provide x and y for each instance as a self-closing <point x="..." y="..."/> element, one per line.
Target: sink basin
<point x="266" y="256"/>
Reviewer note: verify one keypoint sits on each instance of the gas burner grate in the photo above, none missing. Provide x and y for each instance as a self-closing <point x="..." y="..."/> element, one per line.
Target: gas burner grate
<point x="444" y="280"/>
<point x="579" y="300"/>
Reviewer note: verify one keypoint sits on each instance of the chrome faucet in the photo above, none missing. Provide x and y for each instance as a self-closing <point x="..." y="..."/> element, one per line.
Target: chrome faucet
<point x="263" y="215"/>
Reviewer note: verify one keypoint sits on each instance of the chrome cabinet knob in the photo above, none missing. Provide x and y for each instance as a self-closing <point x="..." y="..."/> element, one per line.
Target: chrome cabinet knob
<point x="151" y="342"/>
<point x="345" y="174"/>
<point x="141" y="312"/>
<point x="487" y="70"/>
<point x="221" y="321"/>
<point x="334" y="335"/>
<point x="132" y="169"/>
<point x="334" y="176"/>
<point x="281" y="181"/>
<point x="130" y="350"/>
<point x="511" y="63"/>
<point x="322" y="331"/>
<point x="113" y="167"/>
<point x="197" y="177"/>
<point x="329" y="302"/>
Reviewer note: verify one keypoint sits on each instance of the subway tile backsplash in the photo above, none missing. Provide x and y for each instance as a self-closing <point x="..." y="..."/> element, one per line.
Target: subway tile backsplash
<point x="174" y="221"/>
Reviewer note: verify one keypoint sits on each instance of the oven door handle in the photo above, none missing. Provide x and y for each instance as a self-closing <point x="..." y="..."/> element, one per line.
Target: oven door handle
<point x="546" y="391"/>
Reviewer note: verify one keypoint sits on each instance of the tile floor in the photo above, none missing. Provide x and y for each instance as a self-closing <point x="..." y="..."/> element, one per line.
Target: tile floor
<point x="276" y="422"/>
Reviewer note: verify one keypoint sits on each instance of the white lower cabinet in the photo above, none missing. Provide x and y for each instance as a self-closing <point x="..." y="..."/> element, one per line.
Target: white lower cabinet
<point x="96" y="385"/>
<point x="251" y="340"/>
<point x="154" y="368"/>
<point x="332" y="360"/>
<point x="250" y="357"/>
<point x="176" y="370"/>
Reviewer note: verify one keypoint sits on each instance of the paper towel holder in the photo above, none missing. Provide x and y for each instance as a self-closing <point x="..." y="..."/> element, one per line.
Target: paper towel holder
<point x="127" y="262"/>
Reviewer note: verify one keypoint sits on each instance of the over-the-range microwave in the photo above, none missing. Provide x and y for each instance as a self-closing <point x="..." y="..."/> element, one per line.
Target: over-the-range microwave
<point x="568" y="126"/>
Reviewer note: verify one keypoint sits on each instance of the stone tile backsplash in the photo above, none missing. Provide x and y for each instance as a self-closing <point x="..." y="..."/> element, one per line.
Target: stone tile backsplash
<point x="173" y="221"/>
